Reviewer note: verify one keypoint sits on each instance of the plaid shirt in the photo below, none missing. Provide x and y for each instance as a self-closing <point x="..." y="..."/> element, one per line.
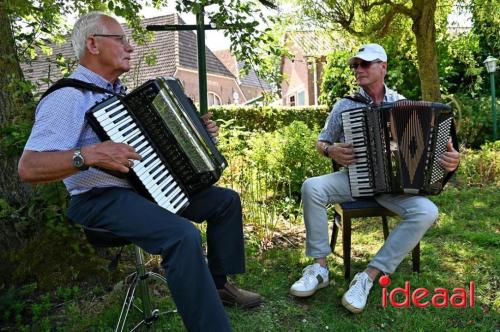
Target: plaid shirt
<point x="60" y="125"/>
<point x="333" y="131"/>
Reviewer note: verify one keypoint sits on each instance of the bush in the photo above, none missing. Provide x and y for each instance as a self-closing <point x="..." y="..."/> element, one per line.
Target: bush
<point x="270" y="118"/>
<point x="480" y="167"/>
<point x="475" y="120"/>
<point x="281" y="160"/>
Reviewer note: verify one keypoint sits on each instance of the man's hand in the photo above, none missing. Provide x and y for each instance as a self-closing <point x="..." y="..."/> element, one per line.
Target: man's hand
<point x="110" y="155"/>
<point x="451" y="158"/>
<point x="342" y="153"/>
<point x="211" y="126"/>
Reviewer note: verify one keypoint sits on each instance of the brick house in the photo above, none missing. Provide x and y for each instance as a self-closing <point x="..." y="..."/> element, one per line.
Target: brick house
<point x="176" y="55"/>
<point x="303" y="72"/>
<point x="251" y="85"/>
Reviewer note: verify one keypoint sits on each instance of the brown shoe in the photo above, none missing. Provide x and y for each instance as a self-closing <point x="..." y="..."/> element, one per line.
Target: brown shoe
<point x="230" y="295"/>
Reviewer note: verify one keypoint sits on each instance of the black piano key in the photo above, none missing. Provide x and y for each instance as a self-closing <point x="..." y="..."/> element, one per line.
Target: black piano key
<point x="125" y="125"/>
<point x="132" y="139"/>
<point x="130" y="130"/>
<point x="165" y="175"/>
<point x="142" y="149"/>
<point x="112" y="115"/>
<point x="150" y="161"/>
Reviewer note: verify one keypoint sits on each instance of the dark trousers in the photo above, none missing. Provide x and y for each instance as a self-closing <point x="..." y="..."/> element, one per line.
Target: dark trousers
<point x="158" y="231"/>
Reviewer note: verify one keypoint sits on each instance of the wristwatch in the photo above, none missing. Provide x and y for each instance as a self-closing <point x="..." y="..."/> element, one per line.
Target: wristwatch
<point x="78" y="160"/>
<point x="325" y="150"/>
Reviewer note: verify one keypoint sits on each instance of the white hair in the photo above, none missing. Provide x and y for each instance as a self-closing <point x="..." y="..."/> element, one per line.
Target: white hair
<point x="87" y="25"/>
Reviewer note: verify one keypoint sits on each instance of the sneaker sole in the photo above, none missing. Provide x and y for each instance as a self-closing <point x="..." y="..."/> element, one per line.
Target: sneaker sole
<point x="349" y="307"/>
<point x="308" y="293"/>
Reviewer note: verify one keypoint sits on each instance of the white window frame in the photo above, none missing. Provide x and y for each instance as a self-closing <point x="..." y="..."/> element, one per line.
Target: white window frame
<point x="214" y="96"/>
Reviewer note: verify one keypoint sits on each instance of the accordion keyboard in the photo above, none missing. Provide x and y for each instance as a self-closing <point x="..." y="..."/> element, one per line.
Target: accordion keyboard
<point x="359" y="172"/>
<point x="154" y="175"/>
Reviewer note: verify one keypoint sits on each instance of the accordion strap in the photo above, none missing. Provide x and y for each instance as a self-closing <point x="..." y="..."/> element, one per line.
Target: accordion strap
<point x="357" y="97"/>
<point x="74" y="83"/>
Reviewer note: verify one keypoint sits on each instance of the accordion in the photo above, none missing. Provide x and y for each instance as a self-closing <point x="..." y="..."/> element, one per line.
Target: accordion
<point x="397" y="147"/>
<point x="179" y="157"/>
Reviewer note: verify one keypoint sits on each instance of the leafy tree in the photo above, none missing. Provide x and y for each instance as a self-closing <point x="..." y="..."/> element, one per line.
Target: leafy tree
<point x="486" y="25"/>
<point x="375" y="18"/>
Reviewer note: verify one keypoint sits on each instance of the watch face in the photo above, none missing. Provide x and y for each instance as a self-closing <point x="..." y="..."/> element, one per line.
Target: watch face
<point x="78" y="161"/>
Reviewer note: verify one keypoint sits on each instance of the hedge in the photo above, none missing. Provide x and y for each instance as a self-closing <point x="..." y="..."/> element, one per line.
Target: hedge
<point x="269" y="118"/>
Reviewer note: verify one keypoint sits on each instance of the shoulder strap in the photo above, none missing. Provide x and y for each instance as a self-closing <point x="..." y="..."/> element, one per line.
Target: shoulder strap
<point x="71" y="82"/>
<point x="357" y="97"/>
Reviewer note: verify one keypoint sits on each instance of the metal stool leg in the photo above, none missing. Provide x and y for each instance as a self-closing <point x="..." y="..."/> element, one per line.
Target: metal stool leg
<point x="140" y="280"/>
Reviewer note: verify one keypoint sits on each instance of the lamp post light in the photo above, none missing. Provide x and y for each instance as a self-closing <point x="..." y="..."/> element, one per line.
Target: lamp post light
<point x="491" y="66"/>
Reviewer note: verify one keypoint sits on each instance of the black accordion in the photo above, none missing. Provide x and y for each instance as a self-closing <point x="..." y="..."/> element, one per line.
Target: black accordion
<point x="179" y="157"/>
<point x="397" y="147"/>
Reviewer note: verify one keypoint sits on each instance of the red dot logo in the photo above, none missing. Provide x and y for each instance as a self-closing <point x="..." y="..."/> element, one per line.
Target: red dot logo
<point x="384" y="281"/>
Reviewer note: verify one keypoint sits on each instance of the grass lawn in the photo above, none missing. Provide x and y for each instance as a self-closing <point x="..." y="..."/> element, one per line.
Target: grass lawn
<point x="462" y="246"/>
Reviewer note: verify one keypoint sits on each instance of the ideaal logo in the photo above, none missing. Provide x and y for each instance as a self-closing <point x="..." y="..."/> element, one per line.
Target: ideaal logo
<point x="419" y="297"/>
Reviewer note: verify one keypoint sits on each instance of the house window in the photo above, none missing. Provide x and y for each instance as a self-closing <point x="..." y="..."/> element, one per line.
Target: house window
<point x="301" y="98"/>
<point x="292" y="101"/>
<point x="213" y="99"/>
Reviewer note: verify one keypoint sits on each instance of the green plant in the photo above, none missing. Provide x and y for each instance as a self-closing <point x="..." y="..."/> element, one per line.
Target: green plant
<point x="480" y="167"/>
<point x="475" y="123"/>
<point x="268" y="119"/>
<point x="338" y="80"/>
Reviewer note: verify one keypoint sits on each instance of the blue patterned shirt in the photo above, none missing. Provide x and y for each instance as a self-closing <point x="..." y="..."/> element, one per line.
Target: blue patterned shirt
<point x="60" y="125"/>
<point x="332" y="131"/>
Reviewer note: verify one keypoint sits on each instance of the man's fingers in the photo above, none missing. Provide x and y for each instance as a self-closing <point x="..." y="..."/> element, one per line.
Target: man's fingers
<point x="133" y="155"/>
<point x="450" y="146"/>
<point x="206" y="117"/>
<point x="122" y="168"/>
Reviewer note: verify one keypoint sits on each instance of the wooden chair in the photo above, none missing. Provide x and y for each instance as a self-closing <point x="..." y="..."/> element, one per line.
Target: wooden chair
<point x="361" y="208"/>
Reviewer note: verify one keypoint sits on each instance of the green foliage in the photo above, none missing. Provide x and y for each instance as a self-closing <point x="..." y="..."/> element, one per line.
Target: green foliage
<point x="268" y="118"/>
<point x="338" y="79"/>
<point x="13" y="137"/>
<point x="475" y="121"/>
<point x="288" y="156"/>
<point x="268" y="169"/>
<point x="480" y="167"/>
<point x="486" y="25"/>
<point x="52" y="249"/>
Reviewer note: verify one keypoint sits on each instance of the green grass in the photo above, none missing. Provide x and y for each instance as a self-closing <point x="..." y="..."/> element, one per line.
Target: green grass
<point x="463" y="246"/>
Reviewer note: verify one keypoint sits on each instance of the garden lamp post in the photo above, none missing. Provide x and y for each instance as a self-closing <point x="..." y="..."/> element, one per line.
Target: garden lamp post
<point x="491" y="66"/>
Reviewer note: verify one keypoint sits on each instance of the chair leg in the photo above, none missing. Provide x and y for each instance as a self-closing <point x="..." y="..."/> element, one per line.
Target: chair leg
<point x="415" y="257"/>
<point x="335" y="231"/>
<point x="385" y="227"/>
<point x="140" y="283"/>
<point x="346" y="238"/>
<point x="148" y="314"/>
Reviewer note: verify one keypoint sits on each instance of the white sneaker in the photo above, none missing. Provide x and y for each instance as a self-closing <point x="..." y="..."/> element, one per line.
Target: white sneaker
<point x="355" y="298"/>
<point x="314" y="277"/>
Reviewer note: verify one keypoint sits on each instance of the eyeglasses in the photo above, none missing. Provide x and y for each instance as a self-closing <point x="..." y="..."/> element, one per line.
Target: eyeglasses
<point x="121" y="38"/>
<point x="363" y="64"/>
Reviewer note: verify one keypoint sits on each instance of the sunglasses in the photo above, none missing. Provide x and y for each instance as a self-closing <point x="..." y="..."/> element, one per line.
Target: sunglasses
<point x="363" y="64"/>
<point x="121" y="38"/>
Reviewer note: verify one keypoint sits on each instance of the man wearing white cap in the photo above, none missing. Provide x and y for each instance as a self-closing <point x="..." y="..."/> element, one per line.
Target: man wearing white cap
<point x="418" y="213"/>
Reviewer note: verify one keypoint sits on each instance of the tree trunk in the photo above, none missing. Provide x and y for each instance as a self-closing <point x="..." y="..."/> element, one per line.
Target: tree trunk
<point x="11" y="188"/>
<point x="425" y="34"/>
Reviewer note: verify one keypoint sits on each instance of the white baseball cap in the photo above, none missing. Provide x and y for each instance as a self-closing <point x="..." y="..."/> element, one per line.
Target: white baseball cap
<point x="370" y="52"/>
